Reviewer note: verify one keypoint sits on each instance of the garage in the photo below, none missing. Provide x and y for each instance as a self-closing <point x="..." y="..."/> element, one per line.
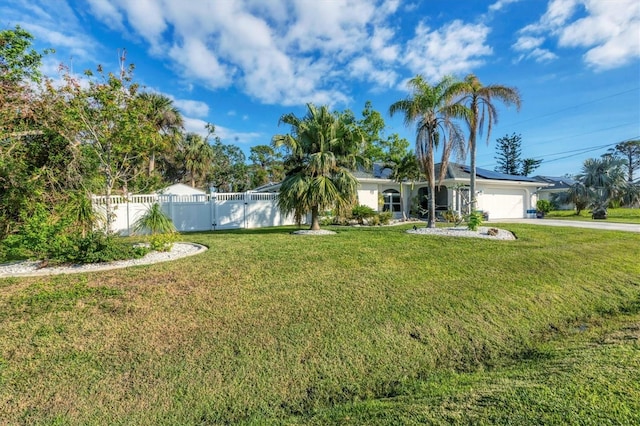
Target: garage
<point x="502" y="203"/>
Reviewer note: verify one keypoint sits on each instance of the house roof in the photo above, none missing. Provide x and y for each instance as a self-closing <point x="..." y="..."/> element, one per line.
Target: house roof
<point x="556" y="182"/>
<point x="181" y="189"/>
<point x="454" y="171"/>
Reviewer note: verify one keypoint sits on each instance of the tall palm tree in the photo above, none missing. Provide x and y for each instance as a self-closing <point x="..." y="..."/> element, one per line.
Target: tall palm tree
<point x="167" y="120"/>
<point x="198" y="155"/>
<point x="322" y="150"/>
<point x="480" y="101"/>
<point x="431" y="109"/>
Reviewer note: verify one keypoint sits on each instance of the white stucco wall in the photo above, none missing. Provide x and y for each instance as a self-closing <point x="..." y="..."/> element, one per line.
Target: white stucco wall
<point x="368" y="195"/>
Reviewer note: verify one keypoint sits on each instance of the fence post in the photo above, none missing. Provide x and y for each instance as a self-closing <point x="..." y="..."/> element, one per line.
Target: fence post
<point x="128" y="219"/>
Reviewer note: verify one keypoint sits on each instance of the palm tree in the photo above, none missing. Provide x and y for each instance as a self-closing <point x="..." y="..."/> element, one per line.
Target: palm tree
<point x="403" y="168"/>
<point x="322" y="150"/>
<point x="430" y="107"/>
<point x="577" y="194"/>
<point x="606" y="177"/>
<point x="167" y="120"/>
<point x="480" y="101"/>
<point x="198" y="155"/>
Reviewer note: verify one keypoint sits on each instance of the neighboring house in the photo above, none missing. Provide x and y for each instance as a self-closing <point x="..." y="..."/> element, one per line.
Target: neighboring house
<point x="499" y="195"/>
<point x="556" y="185"/>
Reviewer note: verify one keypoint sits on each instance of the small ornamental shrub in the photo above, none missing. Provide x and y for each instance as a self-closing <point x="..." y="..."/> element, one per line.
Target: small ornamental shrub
<point x="544" y="206"/>
<point x="98" y="247"/>
<point x="374" y="220"/>
<point x="162" y="242"/>
<point x="474" y="220"/>
<point x="154" y="221"/>
<point x="452" y="217"/>
<point x="385" y="218"/>
<point x="360" y="213"/>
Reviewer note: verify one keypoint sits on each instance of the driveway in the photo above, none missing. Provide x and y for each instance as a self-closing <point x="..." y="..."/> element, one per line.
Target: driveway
<point x="611" y="226"/>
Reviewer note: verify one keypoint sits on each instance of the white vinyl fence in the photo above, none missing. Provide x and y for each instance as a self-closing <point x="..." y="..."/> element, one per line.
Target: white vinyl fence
<point x="198" y="212"/>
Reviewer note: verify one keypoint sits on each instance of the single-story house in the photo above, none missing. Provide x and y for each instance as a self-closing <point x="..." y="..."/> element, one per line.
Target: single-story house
<point x="556" y="185"/>
<point x="181" y="189"/>
<point x="499" y="195"/>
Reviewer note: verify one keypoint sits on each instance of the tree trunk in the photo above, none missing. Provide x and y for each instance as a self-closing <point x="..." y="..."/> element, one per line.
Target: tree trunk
<point x="315" y="224"/>
<point x="472" y="166"/>
<point x="152" y="163"/>
<point x="432" y="197"/>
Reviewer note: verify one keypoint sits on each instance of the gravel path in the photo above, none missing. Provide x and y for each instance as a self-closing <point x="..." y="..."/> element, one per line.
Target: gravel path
<point x="461" y="231"/>
<point x="31" y="268"/>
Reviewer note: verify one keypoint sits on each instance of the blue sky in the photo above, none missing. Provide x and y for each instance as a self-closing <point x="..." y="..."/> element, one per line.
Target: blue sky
<point x="241" y="64"/>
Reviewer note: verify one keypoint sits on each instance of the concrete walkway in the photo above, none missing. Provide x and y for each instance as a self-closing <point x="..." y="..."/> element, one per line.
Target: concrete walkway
<point x="603" y="224"/>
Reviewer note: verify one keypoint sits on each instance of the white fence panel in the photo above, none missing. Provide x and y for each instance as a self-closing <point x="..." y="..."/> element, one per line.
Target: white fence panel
<point x="198" y="212"/>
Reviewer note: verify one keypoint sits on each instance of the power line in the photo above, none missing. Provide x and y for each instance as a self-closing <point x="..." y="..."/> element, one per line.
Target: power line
<point x="575" y="106"/>
<point x="574" y="152"/>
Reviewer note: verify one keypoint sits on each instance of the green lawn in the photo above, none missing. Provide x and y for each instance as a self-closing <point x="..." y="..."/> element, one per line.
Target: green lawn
<point x="368" y="326"/>
<point x="622" y="215"/>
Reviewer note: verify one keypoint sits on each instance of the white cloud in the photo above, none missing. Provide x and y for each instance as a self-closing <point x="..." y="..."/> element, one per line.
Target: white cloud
<point x="191" y="107"/>
<point x="284" y="52"/>
<point x="525" y="43"/>
<point x="500" y="4"/>
<point x="226" y="135"/>
<point x="608" y="31"/>
<point x="195" y="125"/>
<point x="363" y="69"/>
<point x="106" y="12"/>
<point x="454" y="48"/>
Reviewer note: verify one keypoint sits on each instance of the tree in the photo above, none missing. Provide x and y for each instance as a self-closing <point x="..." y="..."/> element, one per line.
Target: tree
<point x="198" y="156"/>
<point x="109" y="118"/>
<point x="480" y="101"/>
<point x="403" y="168"/>
<point x="529" y="165"/>
<point x="431" y="110"/>
<point x="228" y="171"/>
<point x="605" y="176"/>
<point x="577" y="194"/>
<point x="377" y="148"/>
<point x="266" y="165"/>
<point x="509" y="161"/>
<point x="602" y="181"/>
<point x="322" y="150"/>
<point x="630" y="152"/>
<point x="166" y="119"/>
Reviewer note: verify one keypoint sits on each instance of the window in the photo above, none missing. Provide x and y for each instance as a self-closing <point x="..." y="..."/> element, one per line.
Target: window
<point x="391" y="201"/>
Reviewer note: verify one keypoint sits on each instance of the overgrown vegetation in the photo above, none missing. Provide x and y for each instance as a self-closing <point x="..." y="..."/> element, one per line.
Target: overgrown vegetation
<point x="372" y="325"/>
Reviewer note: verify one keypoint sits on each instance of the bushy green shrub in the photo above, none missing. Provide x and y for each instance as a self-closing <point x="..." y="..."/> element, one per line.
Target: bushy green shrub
<point x="162" y="242"/>
<point x="385" y="218"/>
<point x="474" y="220"/>
<point x="544" y="206"/>
<point x="361" y="212"/>
<point x="41" y="236"/>
<point x="98" y="247"/>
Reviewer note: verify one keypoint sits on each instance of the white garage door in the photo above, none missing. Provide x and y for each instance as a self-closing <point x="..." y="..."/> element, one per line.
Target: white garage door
<point x="503" y="204"/>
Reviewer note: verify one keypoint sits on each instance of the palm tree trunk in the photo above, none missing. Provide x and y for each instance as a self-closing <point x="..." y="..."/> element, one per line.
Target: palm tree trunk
<point x="472" y="147"/>
<point x="431" y="223"/>
<point x="472" y="175"/>
<point x="315" y="224"/>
